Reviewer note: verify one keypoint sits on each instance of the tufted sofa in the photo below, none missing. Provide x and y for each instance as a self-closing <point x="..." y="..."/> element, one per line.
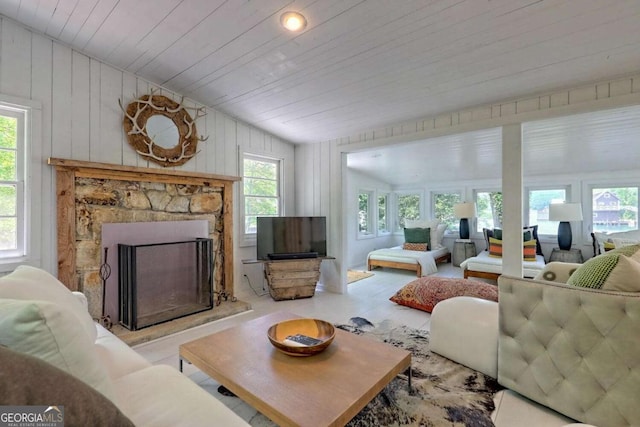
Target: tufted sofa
<point x="571" y="349"/>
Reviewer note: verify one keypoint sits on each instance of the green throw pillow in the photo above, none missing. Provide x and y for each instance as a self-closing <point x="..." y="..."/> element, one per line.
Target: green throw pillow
<point x="417" y="235"/>
<point x="595" y="272"/>
<point x="526" y="236"/>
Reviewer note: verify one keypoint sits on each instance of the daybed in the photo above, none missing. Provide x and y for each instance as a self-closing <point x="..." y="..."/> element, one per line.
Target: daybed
<point x="422" y="262"/>
<point x="488" y="264"/>
<point x="487" y="267"/>
<point x="568" y="348"/>
<point x="53" y="353"/>
<point x="421" y="250"/>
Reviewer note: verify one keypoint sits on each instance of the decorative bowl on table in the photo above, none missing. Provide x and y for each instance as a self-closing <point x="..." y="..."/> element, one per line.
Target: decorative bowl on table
<point x="301" y="337"/>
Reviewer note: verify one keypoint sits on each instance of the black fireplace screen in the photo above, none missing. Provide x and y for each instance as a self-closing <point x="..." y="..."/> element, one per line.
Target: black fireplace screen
<point x="164" y="281"/>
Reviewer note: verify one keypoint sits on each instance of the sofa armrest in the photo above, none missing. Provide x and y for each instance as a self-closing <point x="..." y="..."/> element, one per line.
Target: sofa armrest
<point x="82" y="298"/>
<point x="557" y="271"/>
<point x="465" y="330"/>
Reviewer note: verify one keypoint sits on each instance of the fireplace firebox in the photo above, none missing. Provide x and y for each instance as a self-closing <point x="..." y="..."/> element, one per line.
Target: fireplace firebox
<point x="159" y="282"/>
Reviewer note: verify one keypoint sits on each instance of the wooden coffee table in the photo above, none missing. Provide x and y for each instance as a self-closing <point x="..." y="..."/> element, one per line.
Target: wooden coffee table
<point x="327" y="389"/>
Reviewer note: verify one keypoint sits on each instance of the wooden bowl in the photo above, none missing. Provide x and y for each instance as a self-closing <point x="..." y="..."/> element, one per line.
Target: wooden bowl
<point x="313" y="328"/>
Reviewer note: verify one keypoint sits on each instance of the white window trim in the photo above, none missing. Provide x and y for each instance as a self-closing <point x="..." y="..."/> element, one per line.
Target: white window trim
<point x="544" y="238"/>
<point x="31" y="164"/>
<point x="249" y="239"/>
<point x="433" y="193"/>
<point x="419" y="192"/>
<point x="587" y="204"/>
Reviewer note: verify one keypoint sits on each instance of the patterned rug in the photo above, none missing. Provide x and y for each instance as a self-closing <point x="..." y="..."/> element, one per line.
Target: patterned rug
<point x="444" y="393"/>
<point x="355" y="275"/>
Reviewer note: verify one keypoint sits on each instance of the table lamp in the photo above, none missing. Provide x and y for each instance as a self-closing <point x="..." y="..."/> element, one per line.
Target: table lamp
<point x="565" y="212"/>
<point x="464" y="211"/>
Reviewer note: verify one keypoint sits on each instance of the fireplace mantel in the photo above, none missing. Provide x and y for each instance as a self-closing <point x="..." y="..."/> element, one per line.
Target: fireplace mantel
<point x="68" y="171"/>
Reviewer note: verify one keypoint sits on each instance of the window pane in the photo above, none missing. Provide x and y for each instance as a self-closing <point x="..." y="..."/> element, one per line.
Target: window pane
<point x="539" y="201"/>
<point x="260" y="169"/>
<point x="408" y="207"/>
<point x="261" y="206"/>
<point x="250" y="223"/>
<point x="489" y="209"/>
<point x="363" y="212"/>
<point x="8" y="233"/>
<point x="8" y="198"/>
<point x="615" y="209"/>
<point x="7" y="165"/>
<point x="8" y="132"/>
<point x="443" y="209"/>
<point x="382" y="213"/>
<point x="260" y="187"/>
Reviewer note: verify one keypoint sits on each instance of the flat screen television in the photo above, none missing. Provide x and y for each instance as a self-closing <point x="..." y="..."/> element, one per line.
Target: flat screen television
<point x="291" y="237"/>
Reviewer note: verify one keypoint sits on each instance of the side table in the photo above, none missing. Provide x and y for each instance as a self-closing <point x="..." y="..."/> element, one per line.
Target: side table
<point x="462" y="250"/>
<point x="572" y="255"/>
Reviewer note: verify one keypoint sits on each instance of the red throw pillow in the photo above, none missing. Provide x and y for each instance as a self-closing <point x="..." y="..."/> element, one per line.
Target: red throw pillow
<point x="424" y="293"/>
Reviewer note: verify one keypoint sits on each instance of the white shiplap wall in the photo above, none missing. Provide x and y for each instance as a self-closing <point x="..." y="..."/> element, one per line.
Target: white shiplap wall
<point x="328" y="164"/>
<point x="81" y="120"/>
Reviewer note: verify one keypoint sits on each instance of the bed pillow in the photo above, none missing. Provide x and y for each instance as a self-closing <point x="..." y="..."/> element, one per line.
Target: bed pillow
<point x="528" y="249"/>
<point x="415" y="247"/>
<point x="417" y="235"/>
<point x="424" y="293"/>
<point x="440" y="230"/>
<point x="487" y="232"/>
<point x="32" y="381"/>
<point x="608" y="241"/>
<point x="527" y="234"/>
<point x="435" y="242"/>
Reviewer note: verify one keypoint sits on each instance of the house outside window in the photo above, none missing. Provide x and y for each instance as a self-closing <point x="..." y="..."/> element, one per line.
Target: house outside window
<point x="614" y="209"/>
<point x="489" y="209"/>
<point x="538" y="209"/>
<point x="261" y="190"/>
<point x="383" y="213"/>
<point x="442" y="206"/>
<point x="408" y="205"/>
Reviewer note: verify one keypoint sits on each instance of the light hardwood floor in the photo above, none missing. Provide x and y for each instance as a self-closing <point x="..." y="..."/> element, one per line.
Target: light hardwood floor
<point x="368" y="298"/>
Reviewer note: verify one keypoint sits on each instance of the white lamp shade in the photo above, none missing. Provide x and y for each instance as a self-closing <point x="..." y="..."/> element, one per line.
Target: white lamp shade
<point x="464" y="210"/>
<point x="565" y="212"/>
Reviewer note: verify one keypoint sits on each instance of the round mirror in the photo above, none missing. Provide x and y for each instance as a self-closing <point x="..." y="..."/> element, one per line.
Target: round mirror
<point x="162" y="131"/>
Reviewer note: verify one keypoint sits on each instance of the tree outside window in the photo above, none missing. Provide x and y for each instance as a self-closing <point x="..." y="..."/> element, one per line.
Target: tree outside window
<point x="261" y="187"/>
<point x="539" y="201"/>
<point x="383" y="213"/>
<point x="365" y="218"/>
<point x="9" y="183"/>
<point x="489" y="209"/>
<point x="443" y="209"/>
<point x="408" y="208"/>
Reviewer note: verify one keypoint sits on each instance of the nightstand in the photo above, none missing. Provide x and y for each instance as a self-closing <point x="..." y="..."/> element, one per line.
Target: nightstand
<point x="463" y="249"/>
<point x="572" y="255"/>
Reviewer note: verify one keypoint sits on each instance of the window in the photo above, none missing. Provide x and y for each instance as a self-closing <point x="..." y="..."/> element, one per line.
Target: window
<point x="365" y="217"/>
<point x="489" y="209"/>
<point x="261" y="190"/>
<point x="12" y="183"/>
<point x="614" y="209"/>
<point x="408" y="208"/>
<point x="538" y="211"/>
<point x="443" y="209"/>
<point x="383" y="213"/>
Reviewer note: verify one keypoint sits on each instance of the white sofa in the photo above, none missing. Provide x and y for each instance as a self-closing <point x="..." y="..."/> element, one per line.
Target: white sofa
<point x="553" y="346"/>
<point x="41" y="317"/>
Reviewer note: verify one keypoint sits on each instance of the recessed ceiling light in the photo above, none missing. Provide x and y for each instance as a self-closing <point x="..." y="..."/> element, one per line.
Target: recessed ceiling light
<point x="293" y="21"/>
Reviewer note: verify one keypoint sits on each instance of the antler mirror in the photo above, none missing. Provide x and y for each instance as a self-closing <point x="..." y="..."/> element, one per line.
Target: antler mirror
<point x="161" y="130"/>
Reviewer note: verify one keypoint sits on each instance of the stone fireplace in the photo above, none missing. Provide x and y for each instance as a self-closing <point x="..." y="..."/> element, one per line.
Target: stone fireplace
<point x="91" y="194"/>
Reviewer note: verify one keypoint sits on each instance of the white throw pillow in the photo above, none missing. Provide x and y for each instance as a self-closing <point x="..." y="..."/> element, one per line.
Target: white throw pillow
<point x="31" y="283"/>
<point x="51" y="333"/>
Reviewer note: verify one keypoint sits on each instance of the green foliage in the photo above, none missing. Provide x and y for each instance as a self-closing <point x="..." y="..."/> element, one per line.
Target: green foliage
<point x="8" y="198"/>
<point x="540" y="199"/>
<point x="8" y="233"/>
<point x="8" y="169"/>
<point x="443" y="209"/>
<point x="383" y="224"/>
<point x="408" y="207"/>
<point x="363" y="212"/>
<point x="8" y="132"/>
<point x="260" y="187"/>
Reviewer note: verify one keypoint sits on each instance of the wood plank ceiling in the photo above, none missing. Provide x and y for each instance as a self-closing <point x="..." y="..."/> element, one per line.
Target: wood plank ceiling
<point x="359" y="65"/>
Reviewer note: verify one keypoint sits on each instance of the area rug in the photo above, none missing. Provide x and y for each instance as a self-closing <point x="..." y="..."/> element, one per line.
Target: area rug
<point x="355" y="275"/>
<point x="443" y="393"/>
